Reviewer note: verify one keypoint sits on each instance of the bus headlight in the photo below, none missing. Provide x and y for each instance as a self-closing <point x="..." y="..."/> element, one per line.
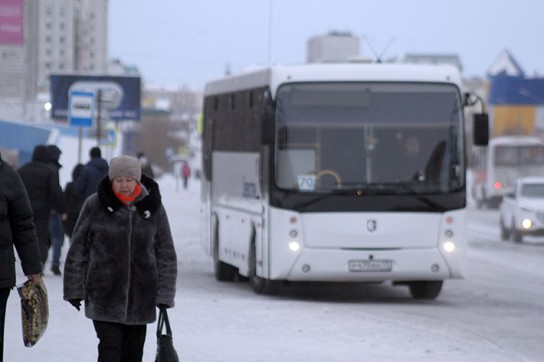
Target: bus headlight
<point x="294" y="246"/>
<point x="449" y="246"/>
<point x="526" y="223"/>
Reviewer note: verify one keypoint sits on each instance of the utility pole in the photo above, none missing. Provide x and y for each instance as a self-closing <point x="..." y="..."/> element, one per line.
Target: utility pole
<point x="98" y="116"/>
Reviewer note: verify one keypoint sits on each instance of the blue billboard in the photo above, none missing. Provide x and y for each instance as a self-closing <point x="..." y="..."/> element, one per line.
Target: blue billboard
<point x="119" y="97"/>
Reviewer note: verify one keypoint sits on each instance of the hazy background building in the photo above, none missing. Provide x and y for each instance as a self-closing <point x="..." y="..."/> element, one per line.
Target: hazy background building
<point x="333" y="47"/>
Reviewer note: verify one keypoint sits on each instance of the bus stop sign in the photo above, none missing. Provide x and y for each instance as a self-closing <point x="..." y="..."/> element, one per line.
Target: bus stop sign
<point x="81" y="109"/>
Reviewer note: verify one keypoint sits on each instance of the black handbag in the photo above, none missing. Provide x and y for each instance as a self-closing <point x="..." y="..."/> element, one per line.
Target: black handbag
<point x="165" y="345"/>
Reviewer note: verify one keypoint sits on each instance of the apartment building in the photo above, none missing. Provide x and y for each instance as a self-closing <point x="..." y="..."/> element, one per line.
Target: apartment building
<point x="41" y="37"/>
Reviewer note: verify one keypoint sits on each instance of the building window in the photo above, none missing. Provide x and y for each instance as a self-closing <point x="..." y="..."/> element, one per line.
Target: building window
<point x="251" y="99"/>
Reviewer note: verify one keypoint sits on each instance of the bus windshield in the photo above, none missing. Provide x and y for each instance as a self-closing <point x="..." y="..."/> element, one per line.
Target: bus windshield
<point x="369" y="137"/>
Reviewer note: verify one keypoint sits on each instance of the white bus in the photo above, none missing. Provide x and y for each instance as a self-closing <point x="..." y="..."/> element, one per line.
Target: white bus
<point x="501" y="163"/>
<point x="336" y="172"/>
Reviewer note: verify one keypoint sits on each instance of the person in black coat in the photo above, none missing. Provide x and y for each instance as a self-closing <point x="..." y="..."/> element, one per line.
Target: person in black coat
<point x="56" y="229"/>
<point x="16" y="230"/>
<point x="122" y="262"/>
<point x="73" y="201"/>
<point x="90" y="176"/>
<point x="146" y="165"/>
<point x="42" y="185"/>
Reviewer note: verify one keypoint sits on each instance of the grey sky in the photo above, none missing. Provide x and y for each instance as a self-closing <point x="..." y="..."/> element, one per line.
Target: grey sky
<point x="181" y="42"/>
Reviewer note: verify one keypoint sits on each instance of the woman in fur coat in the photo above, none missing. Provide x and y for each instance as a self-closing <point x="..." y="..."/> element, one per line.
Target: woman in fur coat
<point x="122" y="262"/>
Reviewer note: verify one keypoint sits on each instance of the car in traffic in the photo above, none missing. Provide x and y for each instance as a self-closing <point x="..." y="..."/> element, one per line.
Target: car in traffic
<point x="522" y="210"/>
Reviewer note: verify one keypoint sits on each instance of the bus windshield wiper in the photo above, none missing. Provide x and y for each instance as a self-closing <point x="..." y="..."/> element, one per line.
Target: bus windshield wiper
<point x="410" y="191"/>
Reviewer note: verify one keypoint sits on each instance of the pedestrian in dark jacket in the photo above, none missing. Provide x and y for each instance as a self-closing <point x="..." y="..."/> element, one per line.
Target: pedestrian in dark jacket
<point x="16" y="230"/>
<point x="122" y="260"/>
<point x="146" y="165"/>
<point x="43" y="188"/>
<point x="56" y="229"/>
<point x="72" y="200"/>
<point x="95" y="170"/>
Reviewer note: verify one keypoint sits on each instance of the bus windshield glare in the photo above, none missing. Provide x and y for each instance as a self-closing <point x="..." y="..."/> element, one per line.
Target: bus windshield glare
<point x="373" y="137"/>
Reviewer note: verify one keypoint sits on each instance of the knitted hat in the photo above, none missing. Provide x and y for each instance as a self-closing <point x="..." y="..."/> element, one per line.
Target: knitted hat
<point x="125" y="166"/>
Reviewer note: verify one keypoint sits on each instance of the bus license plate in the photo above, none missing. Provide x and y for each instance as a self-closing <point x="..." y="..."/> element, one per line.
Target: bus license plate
<point x="370" y="265"/>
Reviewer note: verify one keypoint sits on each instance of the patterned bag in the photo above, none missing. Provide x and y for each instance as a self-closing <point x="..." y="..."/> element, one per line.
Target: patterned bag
<point x="34" y="311"/>
<point x="165" y="346"/>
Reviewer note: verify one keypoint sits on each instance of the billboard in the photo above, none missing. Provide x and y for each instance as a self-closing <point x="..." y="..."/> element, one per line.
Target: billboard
<point x="117" y="96"/>
<point x="11" y="22"/>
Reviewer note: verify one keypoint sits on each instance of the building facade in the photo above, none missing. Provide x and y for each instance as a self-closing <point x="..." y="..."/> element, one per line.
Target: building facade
<point x="41" y="37"/>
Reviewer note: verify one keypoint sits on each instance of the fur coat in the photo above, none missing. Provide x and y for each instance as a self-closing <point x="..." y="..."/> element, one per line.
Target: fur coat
<point x="122" y="260"/>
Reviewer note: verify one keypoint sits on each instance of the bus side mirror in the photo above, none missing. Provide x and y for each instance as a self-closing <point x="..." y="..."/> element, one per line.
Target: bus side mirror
<point x="481" y="129"/>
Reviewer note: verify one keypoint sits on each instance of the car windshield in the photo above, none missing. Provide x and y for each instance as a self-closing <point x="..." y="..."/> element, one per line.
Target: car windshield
<point x="337" y="137"/>
<point x="533" y="190"/>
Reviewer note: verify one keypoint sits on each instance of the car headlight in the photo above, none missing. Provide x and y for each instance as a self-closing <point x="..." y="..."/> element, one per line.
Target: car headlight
<point x="526" y="223"/>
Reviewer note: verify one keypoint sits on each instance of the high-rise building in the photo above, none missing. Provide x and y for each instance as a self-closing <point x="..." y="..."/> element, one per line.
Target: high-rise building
<point x="41" y="37"/>
<point x="333" y="47"/>
<point x="54" y="39"/>
<point x="92" y="36"/>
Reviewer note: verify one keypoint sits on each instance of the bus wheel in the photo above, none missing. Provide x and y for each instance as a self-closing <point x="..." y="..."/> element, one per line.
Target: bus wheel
<point x="258" y="284"/>
<point x="425" y="289"/>
<point x="505" y="233"/>
<point x="223" y="272"/>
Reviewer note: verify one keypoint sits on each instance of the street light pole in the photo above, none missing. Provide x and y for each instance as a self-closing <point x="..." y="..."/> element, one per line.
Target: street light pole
<point x="98" y="117"/>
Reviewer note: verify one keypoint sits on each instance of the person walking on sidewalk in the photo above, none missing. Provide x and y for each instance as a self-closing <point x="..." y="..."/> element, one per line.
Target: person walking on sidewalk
<point x="43" y="188"/>
<point x="92" y="173"/>
<point x="122" y="262"/>
<point x="16" y="230"/>
<point x="186" y="172"/>
<point x="73" y="202"/>
<point x="147" y="169"/>
<point x="56" y="229"/>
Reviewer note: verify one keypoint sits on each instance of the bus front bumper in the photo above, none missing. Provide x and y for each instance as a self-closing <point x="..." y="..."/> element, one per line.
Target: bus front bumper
<point x="370" y="266"/>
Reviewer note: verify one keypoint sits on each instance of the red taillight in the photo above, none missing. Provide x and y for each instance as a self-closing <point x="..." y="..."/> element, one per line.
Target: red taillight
<point x="497" y="185"/>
